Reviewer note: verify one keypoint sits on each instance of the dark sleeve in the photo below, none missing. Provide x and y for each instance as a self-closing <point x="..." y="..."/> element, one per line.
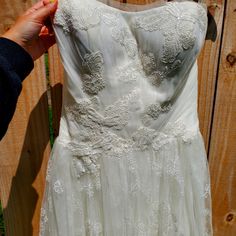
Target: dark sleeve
<point x="15" y="65"/>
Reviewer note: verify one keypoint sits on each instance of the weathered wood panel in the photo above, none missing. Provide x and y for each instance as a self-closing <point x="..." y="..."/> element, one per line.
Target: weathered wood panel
<point x="222" y="154"/>
<point x="56" y="77"/>
<point x="25" y="148"/>
<point x="208" y="67"/>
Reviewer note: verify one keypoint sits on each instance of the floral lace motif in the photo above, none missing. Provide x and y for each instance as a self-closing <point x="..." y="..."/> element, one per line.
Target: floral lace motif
<point x="119" y="31"/>
<point x="161" y="219"/>
<point x="49" y="168"/>
<point x="150" y="68"/>
<point x="153" y="111"/>
<point x="58" y="187"/>
<point x="128" y="73"/>
<point x="144" y="66"/>
<point x="176" y="24"/>
<point x="178" y="29"/>
<point x="97" y="139"/>
<point x="95" y="228"/>
<point x="93" y="80"/>
<point x="85" y="18"/>
<point x="147" y="68"/>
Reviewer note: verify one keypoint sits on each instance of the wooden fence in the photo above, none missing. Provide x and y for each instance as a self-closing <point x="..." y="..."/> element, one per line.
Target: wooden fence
<point x="25" y="149"/>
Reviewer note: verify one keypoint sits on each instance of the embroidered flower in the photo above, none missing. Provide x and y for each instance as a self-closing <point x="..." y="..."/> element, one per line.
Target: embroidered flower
<point x="93" y="80"/>
<point x="154" y="110"/>
<point x="143" y="137"/>
<point x="178" y="28"/>
<point x="58" y="187"/>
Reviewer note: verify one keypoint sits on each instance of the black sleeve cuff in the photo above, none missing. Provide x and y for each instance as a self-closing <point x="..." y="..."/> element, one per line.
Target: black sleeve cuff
<point x="19" y="59"/>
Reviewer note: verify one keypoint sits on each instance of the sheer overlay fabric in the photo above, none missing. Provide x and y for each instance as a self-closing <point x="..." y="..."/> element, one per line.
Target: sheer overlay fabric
<point x="130" y="158"/>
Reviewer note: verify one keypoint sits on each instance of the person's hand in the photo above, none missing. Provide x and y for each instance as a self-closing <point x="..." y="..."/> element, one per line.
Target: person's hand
<point x="33" y="30"/>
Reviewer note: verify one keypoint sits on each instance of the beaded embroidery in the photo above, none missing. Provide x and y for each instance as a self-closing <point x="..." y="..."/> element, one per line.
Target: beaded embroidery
<point x="93" y="80"/>
<point x="177" y="27"/>
<point x="97" y="139"/>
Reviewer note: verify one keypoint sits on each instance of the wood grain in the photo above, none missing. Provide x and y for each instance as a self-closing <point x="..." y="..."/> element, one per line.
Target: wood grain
<point x="25" y="148"/>
<point x="56" y="76"/>
<point x="208" y="67"/>
<point x="222" y="154"/>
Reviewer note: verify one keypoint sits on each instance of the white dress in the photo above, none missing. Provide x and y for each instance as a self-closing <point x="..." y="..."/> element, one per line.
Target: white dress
<point x="129" y="159"/>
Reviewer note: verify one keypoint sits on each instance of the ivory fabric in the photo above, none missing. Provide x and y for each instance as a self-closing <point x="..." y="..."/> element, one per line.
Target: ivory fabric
<point x="130" y="159"/>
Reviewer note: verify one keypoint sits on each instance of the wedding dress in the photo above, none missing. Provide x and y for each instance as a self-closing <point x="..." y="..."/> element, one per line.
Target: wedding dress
<point x="129" y="159"/>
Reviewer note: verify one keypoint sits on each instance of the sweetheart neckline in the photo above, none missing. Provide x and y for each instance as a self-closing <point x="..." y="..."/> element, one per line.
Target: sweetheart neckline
<point x="163" y="5"/>
<point x="135" y="12"/>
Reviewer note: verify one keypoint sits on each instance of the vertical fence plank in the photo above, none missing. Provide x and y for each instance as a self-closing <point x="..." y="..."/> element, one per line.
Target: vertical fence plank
<point x="222" y="147"/>
<point x="56" y="77"/>
<point x="23" y="155"/>
<point x="208" y="66"/>
<point x="25" y="148"/>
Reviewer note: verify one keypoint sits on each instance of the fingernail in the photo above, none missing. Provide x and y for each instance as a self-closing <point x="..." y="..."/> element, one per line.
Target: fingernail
<point x="52" y="1"/>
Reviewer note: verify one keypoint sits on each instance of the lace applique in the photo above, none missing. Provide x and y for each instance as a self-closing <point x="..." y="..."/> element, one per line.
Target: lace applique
<point x="87" y="17"/>
<point x="206" y="192"/>
<point x="77" y="205"/>
<point x="150" y="68"/>
<point x="153" y="111"/>
<point x="167" y="218"/>
<point x="139" y="227"/>
<point x="129" y="72"/>
<point x="145" y="137"/>
<point x="115" y="116"/>
<point x="74" y="17"/>
<point x="83" y="164"/>
<point x="148" y="61"/>
<point x="97" y="137"/>
<point x="124" y="37"/>
<point x="50" y="204"/>
<point x="143" y="67"/>
<point x="43" y="220"/>
<point x="149" y="139"/>
<point x="119" y="31"/>
<point x="156" y="73"/>
<point x="49" y="169"/>
<point x="101" y="141"/>
<point x="93" y="80"/>
<point x="62" y="15"/>
<point x="177" y="26"/>
<point x="161" y="140"/>
<point x="94" y="228"/>
<point x="173" y="169"/>
<point x="180" y="130"/>
<point x="88" y="189"/>
<point x="161" y="219"/>
<point x="58" y="187"/>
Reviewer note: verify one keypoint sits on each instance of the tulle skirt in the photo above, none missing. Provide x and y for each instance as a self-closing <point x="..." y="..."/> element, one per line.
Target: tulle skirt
<point x="165" y="192"/>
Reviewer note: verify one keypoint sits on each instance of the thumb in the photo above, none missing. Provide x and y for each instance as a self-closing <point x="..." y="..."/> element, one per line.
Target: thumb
<point x="44" y="12"/>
